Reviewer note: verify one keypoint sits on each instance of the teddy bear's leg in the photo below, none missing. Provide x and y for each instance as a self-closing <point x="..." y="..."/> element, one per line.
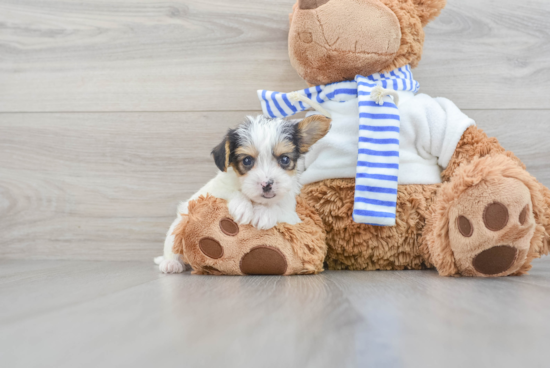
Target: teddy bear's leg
<point x="214" y="244"/>
<point x="353" y="246"/>
<point x="489" y="219"/>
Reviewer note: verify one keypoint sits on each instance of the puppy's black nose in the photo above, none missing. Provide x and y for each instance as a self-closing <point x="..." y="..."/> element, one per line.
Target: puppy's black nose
<point x="267" y="186"/>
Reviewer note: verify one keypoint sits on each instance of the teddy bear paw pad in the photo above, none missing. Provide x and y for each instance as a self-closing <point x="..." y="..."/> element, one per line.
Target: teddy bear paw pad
<point x="263" y="260"/>
<point x="464" y="226"/>
<point x="492" y="237"/>
<point x="210" y="247"/>
<point x="229" y="227"/>
<point x="495" y="216"/>
<point x="495" y="260"/>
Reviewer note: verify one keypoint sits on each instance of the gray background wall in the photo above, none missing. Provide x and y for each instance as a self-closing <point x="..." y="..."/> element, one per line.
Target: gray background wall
<point x="109" y="108"/>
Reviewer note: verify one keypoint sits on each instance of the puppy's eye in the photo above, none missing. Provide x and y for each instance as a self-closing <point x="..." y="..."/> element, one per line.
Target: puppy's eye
<point x="284" y="160"/>
<point x="248" y="161"/>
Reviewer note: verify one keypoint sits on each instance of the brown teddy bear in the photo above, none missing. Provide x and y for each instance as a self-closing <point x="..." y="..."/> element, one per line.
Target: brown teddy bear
<point x="401" y="181"/>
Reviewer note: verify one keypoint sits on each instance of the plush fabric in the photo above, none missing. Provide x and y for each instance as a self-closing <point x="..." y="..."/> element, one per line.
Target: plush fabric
<point x="353" y="246"/>
<point x="209" y="249"/>
<point x="326" y="46"/>
<point x="485" y="216"/>
<point x="430" y="130"/>
<point x="475" y="186"/>
<point x="427" y="230"/>
<point x="343" y="38"/>
<point x="374" y="129"/>
<point x="421" y="236"/>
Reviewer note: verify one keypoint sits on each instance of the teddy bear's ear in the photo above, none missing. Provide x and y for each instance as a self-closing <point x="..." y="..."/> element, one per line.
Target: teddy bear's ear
<point x="429" y="9"/>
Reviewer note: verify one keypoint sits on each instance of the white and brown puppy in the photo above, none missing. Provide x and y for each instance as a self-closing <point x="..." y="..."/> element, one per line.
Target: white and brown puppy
<point x="258" y="176"/>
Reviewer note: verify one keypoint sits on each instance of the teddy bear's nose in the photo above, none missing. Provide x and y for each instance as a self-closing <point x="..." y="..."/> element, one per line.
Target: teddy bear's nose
<point x="311" y="4"/>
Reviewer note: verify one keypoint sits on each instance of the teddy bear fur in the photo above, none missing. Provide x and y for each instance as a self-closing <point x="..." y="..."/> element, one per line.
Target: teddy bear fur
<point x="327" y="44"/>
<point x="326" y="59"/>
<point x="420" y="239"/>
<point x="489" y="217"/>
<point x="213" y="244"/>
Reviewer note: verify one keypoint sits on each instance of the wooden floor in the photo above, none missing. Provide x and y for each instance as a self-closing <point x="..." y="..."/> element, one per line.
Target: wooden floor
<point x="108" y="112"/>
<point x="126" y="314"/>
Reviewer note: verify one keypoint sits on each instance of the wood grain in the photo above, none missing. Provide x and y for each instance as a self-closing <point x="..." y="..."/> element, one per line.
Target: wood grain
<point x="126" y="314"/>
<point x="100" y="185"/>
<point x="212" y="55"/>
<point x="108" y="112"/>
<point x="106" y="185"/>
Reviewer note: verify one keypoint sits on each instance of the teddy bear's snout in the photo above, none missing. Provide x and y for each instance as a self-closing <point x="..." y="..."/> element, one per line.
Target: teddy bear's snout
<point x="348" y="36"/>
<point x="365" y="18"/>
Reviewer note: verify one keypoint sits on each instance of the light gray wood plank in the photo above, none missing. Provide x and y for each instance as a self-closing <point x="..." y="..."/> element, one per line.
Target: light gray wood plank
<point x="113" y="314"/>
<point x="197" y="55"/>
<point x="484" y="54"/>
<point x="142" y="55"/>
<point x="106" y="186"/>
<point x="97" y="186"/>
<point x="524" y="132"/>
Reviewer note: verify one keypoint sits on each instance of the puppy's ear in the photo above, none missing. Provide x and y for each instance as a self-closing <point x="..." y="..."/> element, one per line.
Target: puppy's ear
<point x="221" y="154"/>
<point x="312" y="129"/>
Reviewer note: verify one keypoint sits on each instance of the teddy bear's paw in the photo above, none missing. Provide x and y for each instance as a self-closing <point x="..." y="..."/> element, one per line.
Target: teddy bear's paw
<point x="214" y="243"/>
<point x="171" y="266"/>
<point x="233" y="249"/>
<point x="490" y="228"/>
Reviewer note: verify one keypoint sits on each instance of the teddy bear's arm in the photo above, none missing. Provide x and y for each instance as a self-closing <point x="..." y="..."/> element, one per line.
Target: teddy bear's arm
<point x="474" y="144"/>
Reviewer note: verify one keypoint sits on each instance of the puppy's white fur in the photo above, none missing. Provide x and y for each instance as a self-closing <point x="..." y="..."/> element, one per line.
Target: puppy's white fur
<point x="247" y="203"/>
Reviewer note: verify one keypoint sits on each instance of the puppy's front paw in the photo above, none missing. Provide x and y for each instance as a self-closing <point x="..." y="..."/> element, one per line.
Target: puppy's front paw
<point x="264" y="218"/>
<point x="290" y="218"/>
<point x="241" y="209"/>
<point x="171" y="266"/>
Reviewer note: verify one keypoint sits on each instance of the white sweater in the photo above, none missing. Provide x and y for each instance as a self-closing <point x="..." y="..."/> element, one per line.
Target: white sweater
<point x="430" y="131"/>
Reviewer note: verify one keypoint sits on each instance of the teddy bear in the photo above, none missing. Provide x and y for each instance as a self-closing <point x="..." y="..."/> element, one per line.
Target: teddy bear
<point x="401" y="181"/>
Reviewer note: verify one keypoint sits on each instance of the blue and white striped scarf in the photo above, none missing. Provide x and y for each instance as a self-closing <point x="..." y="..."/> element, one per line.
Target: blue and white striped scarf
<point x="379" y="123"/>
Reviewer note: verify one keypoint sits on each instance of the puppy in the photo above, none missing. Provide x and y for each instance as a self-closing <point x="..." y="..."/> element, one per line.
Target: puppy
<point x="258" y="176"/>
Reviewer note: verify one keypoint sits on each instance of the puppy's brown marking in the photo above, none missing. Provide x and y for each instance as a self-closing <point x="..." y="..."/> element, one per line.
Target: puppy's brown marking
<point x="235" y="166"/>
<point x="246" y="151"/>
<point x="227" y="152"/>
<point x="239" y="155"/>
<point x="311" y="130"/>
<point x="283" y="147"/>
